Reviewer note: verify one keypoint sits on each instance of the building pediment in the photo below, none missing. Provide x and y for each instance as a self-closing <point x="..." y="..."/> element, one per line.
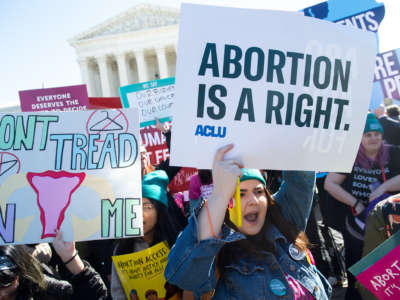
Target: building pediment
<point x="140" y="17"/>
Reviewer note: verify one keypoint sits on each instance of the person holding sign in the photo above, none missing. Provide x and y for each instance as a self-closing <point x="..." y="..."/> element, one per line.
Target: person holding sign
<point x="157" y="226"/>
<point x="374" y="176"/>
<point x="267" y="257"/>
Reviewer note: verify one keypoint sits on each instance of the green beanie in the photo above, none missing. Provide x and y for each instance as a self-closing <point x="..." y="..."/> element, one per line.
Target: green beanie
<point x="372" y="124"/>
<point x="154" y="186"/>
<point x="248" y="174"/>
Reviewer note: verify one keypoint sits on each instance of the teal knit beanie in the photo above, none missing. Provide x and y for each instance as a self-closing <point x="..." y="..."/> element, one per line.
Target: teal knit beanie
<point x="248" y="174"/>
<point x="154" y="186"/>
<point x="372" y="124"/>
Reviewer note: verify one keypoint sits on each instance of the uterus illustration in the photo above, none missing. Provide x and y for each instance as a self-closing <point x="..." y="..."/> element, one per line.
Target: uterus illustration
<point x="54" y="191"/>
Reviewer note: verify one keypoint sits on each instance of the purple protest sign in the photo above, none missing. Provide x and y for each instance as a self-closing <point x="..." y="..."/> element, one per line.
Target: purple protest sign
<point x="387" y="73"/>
<point x="66" y="98"/>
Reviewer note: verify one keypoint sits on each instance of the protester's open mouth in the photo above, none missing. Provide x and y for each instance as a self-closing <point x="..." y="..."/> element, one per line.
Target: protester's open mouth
<point x="251" y="217"/>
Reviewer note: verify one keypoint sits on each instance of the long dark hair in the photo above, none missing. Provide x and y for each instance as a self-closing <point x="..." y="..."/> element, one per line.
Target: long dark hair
<point x="253" y="245"/>
<point x="28" y="270"/>
<point x="164" y="229"/>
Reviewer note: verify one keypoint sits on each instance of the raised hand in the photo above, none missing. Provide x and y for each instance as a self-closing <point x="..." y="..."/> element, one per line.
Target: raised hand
<point x="163" y="127"/>
<point x="68" y="254"/>
<point x="225" y="173"/>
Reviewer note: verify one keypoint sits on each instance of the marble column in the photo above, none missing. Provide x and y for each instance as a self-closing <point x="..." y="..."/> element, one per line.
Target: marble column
<point x="142" y="66"/>
<point x="104" y="75"/>
<point x="87" y="77"/>
<point x="123" y="68"/>
<point x="162" y="62"/>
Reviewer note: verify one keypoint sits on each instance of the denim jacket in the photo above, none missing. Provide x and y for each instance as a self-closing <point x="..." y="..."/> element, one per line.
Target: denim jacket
<point x="192" y="263"/>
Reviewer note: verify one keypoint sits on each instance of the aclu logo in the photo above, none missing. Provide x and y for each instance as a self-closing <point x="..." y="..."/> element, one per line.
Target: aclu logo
<point x="213" y="131"/>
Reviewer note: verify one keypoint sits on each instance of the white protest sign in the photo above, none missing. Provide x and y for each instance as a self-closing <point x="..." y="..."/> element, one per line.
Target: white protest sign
<point x="153" y="99"/>
<point x="291" y="92"/>
<point x="78" y="172"/>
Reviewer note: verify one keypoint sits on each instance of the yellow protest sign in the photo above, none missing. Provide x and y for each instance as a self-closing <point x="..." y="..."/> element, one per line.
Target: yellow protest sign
<point x="142" y="273"/>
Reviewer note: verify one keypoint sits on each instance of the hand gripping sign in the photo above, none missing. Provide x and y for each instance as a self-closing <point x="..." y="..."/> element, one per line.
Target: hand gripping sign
<point x="297" y="90"/>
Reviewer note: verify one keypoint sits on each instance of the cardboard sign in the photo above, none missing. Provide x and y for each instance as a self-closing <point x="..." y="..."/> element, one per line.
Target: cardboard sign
<point x="379" y="271"/>
<point x="387" y="78"/>
<point x="66" y="98"/>
<point x="292" y="98"/>
<point x="153" y="99"/>
<point x="142" y="272"/>
<point x="78" y="172"/>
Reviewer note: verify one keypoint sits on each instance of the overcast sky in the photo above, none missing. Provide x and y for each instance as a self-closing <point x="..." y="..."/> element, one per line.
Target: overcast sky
<point x="35" y="52"/>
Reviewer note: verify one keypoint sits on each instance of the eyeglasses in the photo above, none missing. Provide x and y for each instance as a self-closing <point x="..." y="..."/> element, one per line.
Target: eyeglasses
<point x="148" y="206"/>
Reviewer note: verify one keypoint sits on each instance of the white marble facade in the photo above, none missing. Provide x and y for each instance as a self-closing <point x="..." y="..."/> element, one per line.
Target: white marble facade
<point x="135" y="46"/>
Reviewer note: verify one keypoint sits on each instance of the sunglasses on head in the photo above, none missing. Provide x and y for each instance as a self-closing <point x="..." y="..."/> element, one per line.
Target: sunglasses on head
<point x="7" y="274"/>
<point x="7" y="279"/>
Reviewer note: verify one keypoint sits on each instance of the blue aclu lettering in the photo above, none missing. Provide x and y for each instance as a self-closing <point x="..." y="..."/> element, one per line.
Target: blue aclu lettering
<point x="208" y="130"/>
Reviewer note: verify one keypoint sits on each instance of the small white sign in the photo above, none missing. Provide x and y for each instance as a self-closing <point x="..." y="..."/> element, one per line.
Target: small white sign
<point x="153" y="99"/>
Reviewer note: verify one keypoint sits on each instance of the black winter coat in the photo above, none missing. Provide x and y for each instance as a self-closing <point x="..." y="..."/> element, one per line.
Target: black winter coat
<point x="86" y="285"/>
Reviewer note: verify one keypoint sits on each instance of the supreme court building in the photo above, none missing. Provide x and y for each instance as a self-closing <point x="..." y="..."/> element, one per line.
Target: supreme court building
<point x="135" y="46"/>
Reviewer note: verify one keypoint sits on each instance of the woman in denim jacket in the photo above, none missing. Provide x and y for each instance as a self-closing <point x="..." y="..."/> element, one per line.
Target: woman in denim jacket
<point x="266" y="258"/>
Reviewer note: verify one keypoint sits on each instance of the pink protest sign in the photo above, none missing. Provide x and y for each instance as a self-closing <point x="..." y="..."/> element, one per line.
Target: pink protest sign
<point x="383" y="277"/>
<point x="379" y="271"/>
<point x="66" y="98"/>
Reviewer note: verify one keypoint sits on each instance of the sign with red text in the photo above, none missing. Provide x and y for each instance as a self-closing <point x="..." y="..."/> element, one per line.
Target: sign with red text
<point x="379" y="271"/>
<point x="292" y="100"/>
<point x="155" y="143"/>
<point x="75" y="172"/>
<point x="157" y="151"/>
<point x="66" y="98"/>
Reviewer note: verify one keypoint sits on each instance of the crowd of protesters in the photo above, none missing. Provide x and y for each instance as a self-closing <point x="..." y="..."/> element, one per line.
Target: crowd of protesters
<point x="268" y="257"/>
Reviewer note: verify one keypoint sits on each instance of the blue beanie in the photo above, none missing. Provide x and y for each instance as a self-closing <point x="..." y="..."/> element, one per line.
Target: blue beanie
<point x="372" y="124"/>
<point x="248" y="174"/>
<point x="154" y="186"/>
